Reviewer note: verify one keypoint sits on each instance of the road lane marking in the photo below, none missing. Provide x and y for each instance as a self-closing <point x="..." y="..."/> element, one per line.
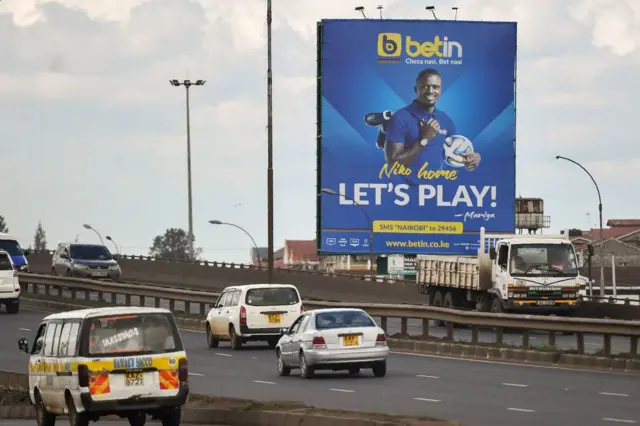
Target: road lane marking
<point x="522" y="410"/>
<point x="253" y="357"/>
<point x="221" y="354"/>
<point x="422" y="376"/>
<point x="341" y="390"/>
<point x="427" y="400"/>
<point x="196" y="374"/>
<point x="613" y="394"/>
<point x="609" y="419"/>
<point x="24" y="329"/>
<point x="517" y="385"/>
<point x="263" y="382"/>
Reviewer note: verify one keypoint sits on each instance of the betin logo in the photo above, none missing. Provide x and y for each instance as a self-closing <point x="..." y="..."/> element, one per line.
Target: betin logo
<point x="389" y="44"/>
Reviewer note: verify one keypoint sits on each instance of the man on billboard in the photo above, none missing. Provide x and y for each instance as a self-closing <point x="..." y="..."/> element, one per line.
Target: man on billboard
<point x="411" y="134"/>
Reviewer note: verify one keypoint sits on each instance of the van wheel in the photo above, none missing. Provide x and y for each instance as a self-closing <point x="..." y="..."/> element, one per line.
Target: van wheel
<point x="13" y="307"/>
<point x="138" y="419"/>
<point x="211" y="339"/>
<point x="272" y="343"/>
<point x="236" y="343"/>
<point x="380" y="368"/>
<point x="75" y="418"/>
<point x="171" y="417"/>
<point x="43" y="417"/>
<point x="69" y="273"/>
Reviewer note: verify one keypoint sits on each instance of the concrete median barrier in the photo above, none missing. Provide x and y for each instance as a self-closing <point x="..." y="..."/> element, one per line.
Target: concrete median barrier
<point x="451" y="349"/>
<point x="209" y="410"/>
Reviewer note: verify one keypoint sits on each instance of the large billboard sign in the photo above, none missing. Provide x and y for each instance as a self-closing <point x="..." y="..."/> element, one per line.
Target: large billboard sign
<point x="416" y="134"/>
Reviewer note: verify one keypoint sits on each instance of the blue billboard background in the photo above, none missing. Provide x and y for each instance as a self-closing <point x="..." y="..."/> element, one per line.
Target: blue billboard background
<point x="369" y="66"/>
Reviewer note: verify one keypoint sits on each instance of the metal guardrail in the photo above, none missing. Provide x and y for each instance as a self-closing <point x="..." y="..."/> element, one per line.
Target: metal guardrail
<point x="476" y="320"/>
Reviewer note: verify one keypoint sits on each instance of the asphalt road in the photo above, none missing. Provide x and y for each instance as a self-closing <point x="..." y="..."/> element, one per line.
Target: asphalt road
<point x="475" y="393"/>
<point x="593" y="343"/>
<point x="110" y="423"/>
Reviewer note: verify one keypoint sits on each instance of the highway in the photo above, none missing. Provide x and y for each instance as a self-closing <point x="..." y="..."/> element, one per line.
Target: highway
<point x="593" y="343"/>
<point x="472" y="392"/>
<point x="110" y="423"/>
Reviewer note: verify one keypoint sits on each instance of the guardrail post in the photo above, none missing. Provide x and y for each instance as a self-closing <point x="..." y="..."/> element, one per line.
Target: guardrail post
<point x="142" y="300"/>
<point x="201" y="309"/>
<point x="580" y="339"/>
<point x="156" y="302"/>
<point x="172" y="305"/>
<point x="633" y="345"/>
<point x="449" y="326"/>
<point x="187" y="308"/>
<point x="100" y="296"/>
<point x="127" y="300"/>
<point x="383" y="324"/>
<point x="499" y="336"/>
<point x="552" y="338"/>
<point x="114" y="299"/>
<point x="425" y="328"/>
<point x="47" y="290"/>
<point x="475" y="334"/>
<point x="35" y="288"/>
<point x="606" y="347"/>
<point x="74" y="293"/>
<point x="525" y="339"/>
<point x="403" y="326"/>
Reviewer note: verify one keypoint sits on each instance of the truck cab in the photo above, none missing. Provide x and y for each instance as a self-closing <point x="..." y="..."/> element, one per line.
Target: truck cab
<point x="534" y="273"/>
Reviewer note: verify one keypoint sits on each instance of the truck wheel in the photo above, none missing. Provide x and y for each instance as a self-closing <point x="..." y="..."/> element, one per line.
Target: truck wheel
<point x="496" y="306"/>
<point x="437" y="301"/>
<point x="13" y="307"/>
<point x="448" y="303"/>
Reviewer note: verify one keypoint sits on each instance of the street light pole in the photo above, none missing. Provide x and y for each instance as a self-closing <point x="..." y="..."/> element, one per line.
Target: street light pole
<point x="600" y="213"/>
<point x="87" y="226"/>
<point x="217" y="222"/>
<point x="114" y="244"/>
<point x="187" y="84"/>
<point x="270" y="247"/>
<point x="371" y="255"/>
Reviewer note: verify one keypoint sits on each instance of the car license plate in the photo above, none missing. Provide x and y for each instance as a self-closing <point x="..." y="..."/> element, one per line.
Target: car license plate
<point x="350" y="340"/>
<point x="134" y="379"/>
<point x="98" y="274"/>
<point x="546" y="302"/>
<point x="274" y="318"/>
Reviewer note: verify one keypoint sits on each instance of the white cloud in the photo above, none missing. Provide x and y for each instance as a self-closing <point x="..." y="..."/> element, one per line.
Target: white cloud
<point x="95" y="131"/>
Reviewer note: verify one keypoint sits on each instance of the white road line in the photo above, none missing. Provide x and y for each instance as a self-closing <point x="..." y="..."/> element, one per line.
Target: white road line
<point x="613" y="394"/>
<point x="608" y="419"/>
<point x="422" y="376"/>
<point x="427" y="400"/>
<point x="523" y="410"/>
<point x="517" y="385"/>
<point x="196" y="374"/>
<point x="253" y="357"/>
<point x="221" y="354"/>
<point x="342" y="390"/>
<point x="24" y="329"/>
<point x="263" y="382"/>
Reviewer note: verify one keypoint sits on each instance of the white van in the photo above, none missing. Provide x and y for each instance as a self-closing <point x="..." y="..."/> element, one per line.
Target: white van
<point x="9" y="284"/>
<point x="124" y="361"/>
<point x="253" y="312"/>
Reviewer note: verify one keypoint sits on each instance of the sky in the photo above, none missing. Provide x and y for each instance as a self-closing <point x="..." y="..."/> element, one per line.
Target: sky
<point x="92" y="132"/>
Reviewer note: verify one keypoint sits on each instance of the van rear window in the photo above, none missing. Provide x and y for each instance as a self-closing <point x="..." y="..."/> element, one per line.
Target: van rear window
<point x="278" y="296"/>
<point x="133" y="334"/>
<point x="5" y="263"/>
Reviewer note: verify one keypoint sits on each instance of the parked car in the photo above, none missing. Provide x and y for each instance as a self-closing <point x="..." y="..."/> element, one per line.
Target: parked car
<point x="85" y="261"/>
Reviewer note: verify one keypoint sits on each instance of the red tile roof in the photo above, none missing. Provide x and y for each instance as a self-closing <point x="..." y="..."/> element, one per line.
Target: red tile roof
<point x="617" y="232"/>
<point x="635" y="223"/>
<point x="301" y="250"/>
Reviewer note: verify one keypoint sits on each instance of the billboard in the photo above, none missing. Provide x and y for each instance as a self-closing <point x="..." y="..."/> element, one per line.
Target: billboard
<point x="416" y="134"/>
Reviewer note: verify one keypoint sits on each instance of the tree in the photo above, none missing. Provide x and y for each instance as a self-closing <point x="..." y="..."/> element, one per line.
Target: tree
<point x="40" y="239"/>
<point x="3" y="225"/>
<point x="174" y="244"/>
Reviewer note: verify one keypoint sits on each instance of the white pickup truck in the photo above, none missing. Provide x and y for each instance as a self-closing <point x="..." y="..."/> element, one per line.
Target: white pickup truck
<point x="510" y="273"/>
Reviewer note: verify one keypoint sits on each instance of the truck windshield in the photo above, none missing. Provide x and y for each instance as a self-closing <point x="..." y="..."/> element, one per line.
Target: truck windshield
<point x="543" y="260"/>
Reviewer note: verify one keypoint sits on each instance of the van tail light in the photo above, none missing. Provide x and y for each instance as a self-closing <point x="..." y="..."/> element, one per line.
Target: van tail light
<point x="183" y="370"/>
<point x="319" y="343"/>
<point x="83" y="376"/>
<point x="243" y="315"/>
<point x="301" y="308"/>
<point x="15" y="270"/>
<point x="381" y="340"/>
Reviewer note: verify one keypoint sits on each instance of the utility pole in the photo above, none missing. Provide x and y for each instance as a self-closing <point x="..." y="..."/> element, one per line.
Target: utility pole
<point x="269" y="150"/>
<point x="187" y="84"/>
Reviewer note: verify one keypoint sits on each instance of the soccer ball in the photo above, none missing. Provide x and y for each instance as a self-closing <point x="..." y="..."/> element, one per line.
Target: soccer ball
<point x="454" y="147"/>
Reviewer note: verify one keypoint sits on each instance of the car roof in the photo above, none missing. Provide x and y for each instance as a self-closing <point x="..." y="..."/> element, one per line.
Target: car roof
<point x="252" y="286"/>
<point x="97" y="312"/>
<point x="5" y="236"/>
<point x="6" y="253"/>
<point x="329" y="310"/>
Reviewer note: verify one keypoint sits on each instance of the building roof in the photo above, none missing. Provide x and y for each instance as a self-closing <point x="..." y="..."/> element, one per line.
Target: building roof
<point x="301" y="250"/>
<point x="634" y="223"/>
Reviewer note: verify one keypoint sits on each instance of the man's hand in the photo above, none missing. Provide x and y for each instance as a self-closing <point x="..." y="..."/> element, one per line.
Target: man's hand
<point x="471" y="160"/>
<point x="430" y="129"/>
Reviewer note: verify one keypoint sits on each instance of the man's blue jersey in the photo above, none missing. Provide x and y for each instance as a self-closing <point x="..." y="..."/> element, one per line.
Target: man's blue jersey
<point x="404" y="127"/>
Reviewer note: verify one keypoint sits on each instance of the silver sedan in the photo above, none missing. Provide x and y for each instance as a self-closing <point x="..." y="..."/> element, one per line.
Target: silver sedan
<point x="332" y="339"/>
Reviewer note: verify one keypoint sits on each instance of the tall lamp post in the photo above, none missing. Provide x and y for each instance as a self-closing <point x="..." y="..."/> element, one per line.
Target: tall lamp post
<point x="269" y="150"/>
<point x="114" y="244"/>
<point x="187" y="84"/>
<point x="218" y="222"/>
<point x="371" y="255"/>
<point x="559" y="157"/>
<point x="87" y="226"/>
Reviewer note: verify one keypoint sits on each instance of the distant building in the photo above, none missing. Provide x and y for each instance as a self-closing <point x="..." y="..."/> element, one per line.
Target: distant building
<point x="621" y="239"/>
<point x="300" y="254"/>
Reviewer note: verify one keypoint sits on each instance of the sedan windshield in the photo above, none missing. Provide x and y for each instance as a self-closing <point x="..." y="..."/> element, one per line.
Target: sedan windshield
<point x="343" y="319"/>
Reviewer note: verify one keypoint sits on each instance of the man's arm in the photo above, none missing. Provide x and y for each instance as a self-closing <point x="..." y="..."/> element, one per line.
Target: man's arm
<point x="399" y="152"/>
<point x="396" y="150"/>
